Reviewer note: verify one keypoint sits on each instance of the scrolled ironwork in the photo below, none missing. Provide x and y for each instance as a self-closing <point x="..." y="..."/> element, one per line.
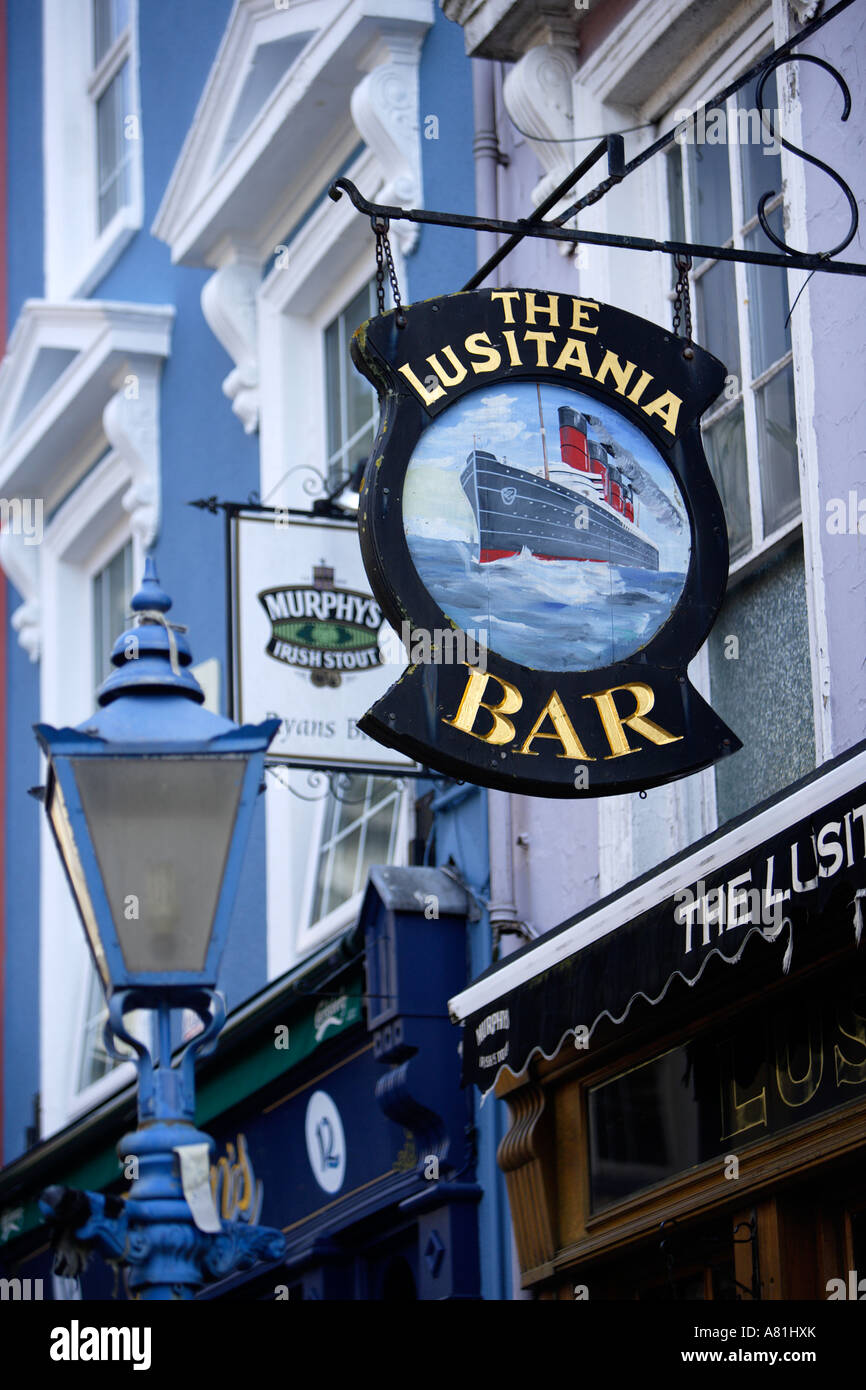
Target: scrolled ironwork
<point x="804" y="154"/>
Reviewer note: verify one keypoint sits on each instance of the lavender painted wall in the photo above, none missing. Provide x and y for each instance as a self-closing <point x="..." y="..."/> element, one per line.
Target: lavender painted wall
<point x="838" y="306"/>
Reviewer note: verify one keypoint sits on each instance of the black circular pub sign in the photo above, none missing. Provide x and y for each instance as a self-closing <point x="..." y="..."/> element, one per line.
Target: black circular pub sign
<point x="540" y="526"/>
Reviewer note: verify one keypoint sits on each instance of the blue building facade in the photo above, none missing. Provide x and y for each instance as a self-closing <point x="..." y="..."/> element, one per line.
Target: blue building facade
<point x="175" y="277"/>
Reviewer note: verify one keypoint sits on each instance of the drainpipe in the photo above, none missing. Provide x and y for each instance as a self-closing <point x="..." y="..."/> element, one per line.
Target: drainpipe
<point x="507" y="931"/>
<point x="485" y="148"/>
<point x="503" y="907"/>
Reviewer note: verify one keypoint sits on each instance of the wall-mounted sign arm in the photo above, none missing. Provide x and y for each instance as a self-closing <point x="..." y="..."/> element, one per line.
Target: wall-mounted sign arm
<point x="611" y="145"/>
<point x="550" y="232"/>
<point x="618" y="170"/>
<point x="760" y="71"/>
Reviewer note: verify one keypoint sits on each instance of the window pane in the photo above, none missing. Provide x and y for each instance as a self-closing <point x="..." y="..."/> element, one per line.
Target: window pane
<point x="110" y="18"/>
<point x="361" y="449"/>
<point x="759" y="154"/>
<point x="376" y="849"/>
<point x="359" y="828"/>
<point x="777" y="440"/>
<point x="725" y="443"/>
<point x="768" y="301"/>
<point x="711" y="183"/>
<point x="95" y="1061"/>
<point x="113" y="157"/>
<point x="772" y="672"/>
<point x="352" y="405"/>
<point x="361" y="402"/>
<point x="716" y="295"/>
<point x="112" y="591"/>
<point x="361" y="399"/>
<point x="342" y="885"/>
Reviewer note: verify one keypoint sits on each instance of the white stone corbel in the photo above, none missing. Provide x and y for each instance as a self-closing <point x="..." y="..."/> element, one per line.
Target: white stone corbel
<point x="804" y="10"/>
<point x="384" y="109"/>
<point x="538" y="97"/>
<point x="131" y="424"/>
<point x="20" y="562"/>
<point x="228" y="303"/>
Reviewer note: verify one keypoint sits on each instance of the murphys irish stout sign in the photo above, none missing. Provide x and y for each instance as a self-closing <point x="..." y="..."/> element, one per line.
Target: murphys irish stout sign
<point x="310" y="640"/>
<point x="539" y="523"/>
<point x="322" y="629"/>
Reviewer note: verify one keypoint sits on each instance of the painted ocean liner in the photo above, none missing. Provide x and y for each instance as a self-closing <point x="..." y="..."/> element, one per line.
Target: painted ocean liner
<point x="580" y="509"/>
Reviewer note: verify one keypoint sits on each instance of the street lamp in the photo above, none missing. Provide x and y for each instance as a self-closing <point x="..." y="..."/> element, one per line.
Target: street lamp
<point x="150" y="802"/>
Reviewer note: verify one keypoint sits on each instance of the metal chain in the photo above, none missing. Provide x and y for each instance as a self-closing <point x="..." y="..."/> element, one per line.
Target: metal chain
<point x="682" y="300"/>
<point x="385" y="257"/>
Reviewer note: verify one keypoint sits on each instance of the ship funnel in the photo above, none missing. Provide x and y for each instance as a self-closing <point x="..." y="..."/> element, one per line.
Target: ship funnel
<point x="572" y="439"/>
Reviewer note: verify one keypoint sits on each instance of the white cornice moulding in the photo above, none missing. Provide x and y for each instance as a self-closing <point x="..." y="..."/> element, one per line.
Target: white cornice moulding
<point x="385" y="112"/>
<point x="505" y="29"/>
<point x="103" y="339"/>
<point x="20" y="562"/>
<point x="131" y="424"/>
<point x="660" y="48"/>
<point x="228" y="302"/>
<point x="301" y="133"/>
<point x="538" y="97"/>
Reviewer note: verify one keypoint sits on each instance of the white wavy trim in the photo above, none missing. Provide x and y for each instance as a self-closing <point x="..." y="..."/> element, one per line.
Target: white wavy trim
<point x="640" y="994"/>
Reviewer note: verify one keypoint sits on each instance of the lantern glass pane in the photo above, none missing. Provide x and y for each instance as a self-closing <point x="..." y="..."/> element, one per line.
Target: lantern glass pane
<point x="161" y="828"/>
<point x="62" y="827"/>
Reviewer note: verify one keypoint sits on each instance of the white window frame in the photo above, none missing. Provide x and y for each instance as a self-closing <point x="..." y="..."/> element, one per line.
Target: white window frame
<point x="102" y="74"/>
<point x="77" y="254"/>
<point x="763" y="543"/>
<point x="309" y="933"/>
<point x="86" y="532"/>
<point x="622" y="278"/>
<point x="348" y="441"/>
<point x="325" y="265"/>
<point x="84" y="1097"/>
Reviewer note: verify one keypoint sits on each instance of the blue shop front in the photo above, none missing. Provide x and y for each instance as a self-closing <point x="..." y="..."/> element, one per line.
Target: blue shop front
<point x="335" y="1104"/>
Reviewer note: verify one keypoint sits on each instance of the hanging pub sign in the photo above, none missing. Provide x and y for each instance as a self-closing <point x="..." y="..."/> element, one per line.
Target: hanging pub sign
<point x="310" y="641"/>
<point x="539" y="523"/>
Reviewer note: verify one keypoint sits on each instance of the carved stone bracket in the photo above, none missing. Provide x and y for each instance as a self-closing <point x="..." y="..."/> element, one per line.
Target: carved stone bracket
<point x="505" y="29"/>
<point x="538" y="97"/>
<point x="385" y="111"/>
<point x="20" y="562"/>
<point x="804" y="10"/>
<point x="228" y="302"/>
<point x="131" y="424"/>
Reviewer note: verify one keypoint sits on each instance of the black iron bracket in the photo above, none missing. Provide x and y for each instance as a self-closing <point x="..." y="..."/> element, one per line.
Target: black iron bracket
<point x="618" y="170"/>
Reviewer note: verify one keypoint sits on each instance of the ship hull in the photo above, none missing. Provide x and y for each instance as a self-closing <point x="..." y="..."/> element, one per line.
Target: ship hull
<point x="516" y="510"/>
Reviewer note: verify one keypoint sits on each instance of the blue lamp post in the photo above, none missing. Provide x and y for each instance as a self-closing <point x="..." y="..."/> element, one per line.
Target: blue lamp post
<point x="150" y="802"/>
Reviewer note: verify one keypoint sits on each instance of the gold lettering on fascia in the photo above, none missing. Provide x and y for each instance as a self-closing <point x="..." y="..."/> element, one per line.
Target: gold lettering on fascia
<point x="796" y="1067"/>
<point x="547" y="332"/>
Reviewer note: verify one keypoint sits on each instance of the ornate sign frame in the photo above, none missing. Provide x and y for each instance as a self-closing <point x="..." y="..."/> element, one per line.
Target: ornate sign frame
<point x="553" y="733"/>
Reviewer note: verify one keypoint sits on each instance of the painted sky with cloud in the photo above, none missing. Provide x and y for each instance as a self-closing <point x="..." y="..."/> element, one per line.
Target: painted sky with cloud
<point x="504" y="419"/>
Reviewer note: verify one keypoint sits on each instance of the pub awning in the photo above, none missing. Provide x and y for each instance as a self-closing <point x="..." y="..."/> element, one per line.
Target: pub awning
<point x="768" y="877"/>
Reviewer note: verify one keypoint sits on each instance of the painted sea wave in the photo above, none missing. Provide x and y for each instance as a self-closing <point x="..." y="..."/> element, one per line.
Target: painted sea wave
<point x="553" y="615"/>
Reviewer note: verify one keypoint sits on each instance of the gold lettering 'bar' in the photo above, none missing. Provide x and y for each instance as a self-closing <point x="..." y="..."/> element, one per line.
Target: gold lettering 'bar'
<point x="578" y="743"/>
